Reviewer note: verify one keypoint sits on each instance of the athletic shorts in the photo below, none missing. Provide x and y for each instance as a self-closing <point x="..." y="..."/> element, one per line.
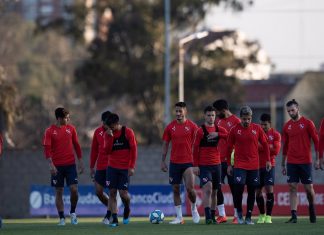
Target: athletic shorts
<point x="266" y="177"/>
<point x="117" y="178"/>
<point x="176" y="171"/>
<point x="100" y="177"/>
<point x="248" y="177"/>
<point x="68" y="173"/>
<point x="212" y="174"/>
<point x="224" y="174"/>
<point x="299" y="172"/>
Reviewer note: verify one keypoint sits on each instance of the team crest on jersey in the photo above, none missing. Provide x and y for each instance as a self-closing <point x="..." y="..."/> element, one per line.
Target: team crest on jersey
<point x="301" y="125"/>
<point x="229" y="124"/>
<point x="101" y="133"/>
<point x="68" y="131"/>
<point x="205" y="179"/>
<point x="254" y="132"/>
<point x="173" y="128"/>
<point x="187" y="128"/>
<point x="54" y="132"/>
<point x="170" y="179"/>
<point x="289" y="127"/>
<point x="107" y="183"/>
<point x="238" y="179"/>
<point x="54" y="182"/>
<point x="239" y="132"/>
<point x="270" y="137"/>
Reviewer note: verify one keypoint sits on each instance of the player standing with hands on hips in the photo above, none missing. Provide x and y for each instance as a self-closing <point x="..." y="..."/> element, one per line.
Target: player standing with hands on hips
<point x="60" y="142"/>
<point x="180" y="133"/>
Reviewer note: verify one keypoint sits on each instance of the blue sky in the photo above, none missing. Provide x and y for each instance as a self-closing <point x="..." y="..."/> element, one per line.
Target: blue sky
<point x="290" y="31"/>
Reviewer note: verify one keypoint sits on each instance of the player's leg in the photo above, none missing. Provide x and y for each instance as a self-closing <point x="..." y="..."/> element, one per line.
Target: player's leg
<point x="292" y="180"/>
<point x="252" y="181"/>
<point x="72" y="182"/>
<point x="220" y="197"/>
<point x="306" y="179"/>
<point x="123" y="185"/>
<point x="112" y="184"/>
<point x="175" y="179"/>
<point x="230" y="180"/>
<point x="239" y="183"/>
<point x="259" y="197"/>
<point x="205" y="177"/>
<point x="100" y="183"/>
<point x="189" y="181"/>
<point x="269" y="182"/>
<point x="57" y="181"/>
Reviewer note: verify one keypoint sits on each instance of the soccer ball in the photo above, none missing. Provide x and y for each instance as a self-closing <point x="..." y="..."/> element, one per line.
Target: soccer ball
<point x="156" y="217"/>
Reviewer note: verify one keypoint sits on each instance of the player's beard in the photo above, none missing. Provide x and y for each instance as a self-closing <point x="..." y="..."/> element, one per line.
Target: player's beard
<point x="294" y="116"/>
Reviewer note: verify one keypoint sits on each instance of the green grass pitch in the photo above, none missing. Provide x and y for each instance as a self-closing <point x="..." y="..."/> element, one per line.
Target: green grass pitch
<point x="141" y="226"/>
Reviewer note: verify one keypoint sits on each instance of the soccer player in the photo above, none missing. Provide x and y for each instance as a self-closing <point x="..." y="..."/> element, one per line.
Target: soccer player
<point x="245" y="138"/>
<point x="99" y="158"/>
<point x="180" y="133"/>
<point x="120" y="144"/>
<point x="321" y="144"/>
<point x="207" y="164"/>
<point x="297" y="157"/>
<point x="60" y="142"/>
<point x="227" y="120"/>
<point x="267" y="178"/>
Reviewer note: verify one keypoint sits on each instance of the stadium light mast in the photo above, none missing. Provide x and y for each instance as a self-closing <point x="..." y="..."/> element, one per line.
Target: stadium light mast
<point x="182" y="43"/>
<point x="167" y="115"/>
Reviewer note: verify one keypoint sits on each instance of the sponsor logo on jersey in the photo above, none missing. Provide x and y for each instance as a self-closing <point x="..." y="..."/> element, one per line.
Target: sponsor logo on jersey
<point x="239" y="132"/>
<point x="54" y="132"/>
<point x="205" y="179"/>
<point x="187" y="128"/>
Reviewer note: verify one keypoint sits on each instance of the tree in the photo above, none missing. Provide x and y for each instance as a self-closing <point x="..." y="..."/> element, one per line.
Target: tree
<point x="125" y="68"/>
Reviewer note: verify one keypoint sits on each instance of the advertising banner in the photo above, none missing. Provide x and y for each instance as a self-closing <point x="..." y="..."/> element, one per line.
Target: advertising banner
<point x="144" y="199"/>
<point x="281" y="201"/>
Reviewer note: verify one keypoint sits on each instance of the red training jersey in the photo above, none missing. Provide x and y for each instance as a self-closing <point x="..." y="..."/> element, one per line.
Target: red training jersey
<point x="181" y="136"/>
<point x="98" y="156"/>
<point x="207" y="155"/>
<point x="59" y="143"/>
<point x="296" y="136"/>
<point x="123" y="158"/>
<point x="227" y="123"/>
<point x="246" y="141"/>
<point x="321" y="139"/>
<point x="274" y="143"/>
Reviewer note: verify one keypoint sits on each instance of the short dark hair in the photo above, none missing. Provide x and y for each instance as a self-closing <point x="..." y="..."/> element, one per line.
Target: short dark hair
<point x="220" y="105"/>
<point x="180" y="104"/>
<point x="112" y="119"/>
<point x="61" y="112"/>
<point x="246" y="110"/>
<point x="291" y="102"/>
<point x="209" y="108"/>
<point x="105" y="115"/>
<point x="265" y="117"/>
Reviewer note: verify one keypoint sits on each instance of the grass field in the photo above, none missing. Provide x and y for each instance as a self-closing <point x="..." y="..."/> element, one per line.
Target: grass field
<point x="141" y="226"/>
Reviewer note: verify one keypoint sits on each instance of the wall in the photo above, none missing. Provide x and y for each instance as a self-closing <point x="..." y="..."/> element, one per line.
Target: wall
<point x="21" y="168"/>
